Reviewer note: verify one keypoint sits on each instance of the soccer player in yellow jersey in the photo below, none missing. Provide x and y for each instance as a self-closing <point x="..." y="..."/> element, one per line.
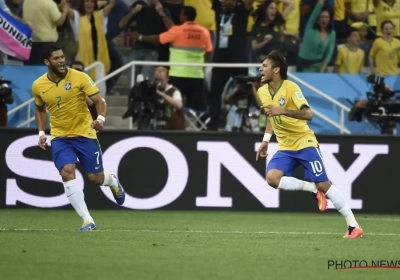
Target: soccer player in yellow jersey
<point x="288" y="112"/>
<point x="72" y="130"/>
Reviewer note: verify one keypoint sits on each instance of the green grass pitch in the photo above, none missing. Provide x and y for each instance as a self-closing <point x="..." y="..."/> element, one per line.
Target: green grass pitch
<point x="170" y="245"/>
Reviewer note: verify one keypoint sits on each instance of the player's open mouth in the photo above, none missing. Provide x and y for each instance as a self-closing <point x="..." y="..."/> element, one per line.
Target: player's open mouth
<point x="61" y="67"/>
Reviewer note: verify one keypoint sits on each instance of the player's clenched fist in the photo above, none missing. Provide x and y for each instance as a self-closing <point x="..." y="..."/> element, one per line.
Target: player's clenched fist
<point x="262" y="151"/>
<point x="98" y="125"/>
<point x="273" y="111"/>
<point x="42" y="142"/>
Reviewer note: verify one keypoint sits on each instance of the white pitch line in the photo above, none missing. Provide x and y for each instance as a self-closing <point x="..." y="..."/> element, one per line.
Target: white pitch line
<point x="207" y="231"/>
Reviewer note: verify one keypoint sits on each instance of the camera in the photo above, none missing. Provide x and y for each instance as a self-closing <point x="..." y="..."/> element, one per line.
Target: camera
<point x="244" y="93"/>
<point x="147" y="105"/>
<point x="5" y="91"/>
<point x="382" y="107"/>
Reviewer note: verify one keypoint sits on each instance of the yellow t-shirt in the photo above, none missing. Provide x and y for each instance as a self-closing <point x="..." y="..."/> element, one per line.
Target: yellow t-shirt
<point x="292" y="22"/>
<point x="292" y="134"/>
<point x="66" y="102"/>
<point x="357" y="6"/>
<point x="384" y="12"/>
<point x="205" y="14"/>
<point x="350" y="62"/>
<point x="371" y="17"/>
<point x="339" y="10"/>
<point x="43" y="15"/>
<point x="386" y="56"/>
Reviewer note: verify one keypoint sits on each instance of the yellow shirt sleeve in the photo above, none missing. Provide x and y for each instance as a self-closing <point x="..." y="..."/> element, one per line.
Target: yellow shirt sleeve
<point x="297" y="97"/>
<point x="339" y="58"/>
<point x="36" y="95"/>
<point x="88" y="86"/>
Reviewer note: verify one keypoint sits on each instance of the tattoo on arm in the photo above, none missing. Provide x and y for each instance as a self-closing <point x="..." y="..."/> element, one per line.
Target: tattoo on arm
<point x="303" y="114"/>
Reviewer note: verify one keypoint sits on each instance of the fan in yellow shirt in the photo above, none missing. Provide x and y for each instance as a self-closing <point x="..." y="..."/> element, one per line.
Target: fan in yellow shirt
<point x="350" y="58"/>
<point x="387" y="10"/>
<point x="288" y="112"/>
<point x="385" y="52"/>
<point x="73" y="133"/>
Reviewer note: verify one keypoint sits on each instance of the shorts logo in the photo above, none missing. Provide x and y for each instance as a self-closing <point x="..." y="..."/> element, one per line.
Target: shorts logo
<point x="67" y="86"/>
<point x="91" y="82"/>
<point x="299" y="95"/>
<point x="282" y="101"/>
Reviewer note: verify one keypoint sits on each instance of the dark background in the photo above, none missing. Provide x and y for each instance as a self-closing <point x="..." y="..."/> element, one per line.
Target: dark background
<point x="143" y="172"/>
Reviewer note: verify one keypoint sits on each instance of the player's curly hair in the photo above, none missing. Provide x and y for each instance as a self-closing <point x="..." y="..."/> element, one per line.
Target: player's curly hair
<point x="49" y="49"/>
<point x="278" y="60"/>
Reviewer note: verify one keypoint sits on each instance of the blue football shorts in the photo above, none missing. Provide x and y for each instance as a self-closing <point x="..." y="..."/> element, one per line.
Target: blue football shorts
<point x="71" y="150"/>
<point x="310" y="158"/>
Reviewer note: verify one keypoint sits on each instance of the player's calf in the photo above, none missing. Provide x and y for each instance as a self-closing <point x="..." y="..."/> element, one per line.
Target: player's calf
<point x="97" y="179"/>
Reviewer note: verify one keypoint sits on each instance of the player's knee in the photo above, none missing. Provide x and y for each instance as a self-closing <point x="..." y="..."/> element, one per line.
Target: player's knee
<point x="273" y="179"/>
<point x="68" y="172"/>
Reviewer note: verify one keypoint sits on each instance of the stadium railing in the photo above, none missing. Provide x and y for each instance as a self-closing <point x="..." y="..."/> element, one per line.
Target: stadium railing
<point x="100" y="72"/>
<point x="131" y="65"/>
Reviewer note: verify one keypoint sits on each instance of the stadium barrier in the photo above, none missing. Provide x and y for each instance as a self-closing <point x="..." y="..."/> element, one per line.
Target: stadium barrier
<point x="200" y="171"/>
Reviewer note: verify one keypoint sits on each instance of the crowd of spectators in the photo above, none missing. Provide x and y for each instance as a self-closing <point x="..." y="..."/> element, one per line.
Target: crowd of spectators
<point x="344" y="36"/>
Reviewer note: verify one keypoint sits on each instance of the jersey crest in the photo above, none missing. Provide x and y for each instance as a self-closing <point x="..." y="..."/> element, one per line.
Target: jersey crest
<point x="67" y="86"/>
<point x="282" y="101"/>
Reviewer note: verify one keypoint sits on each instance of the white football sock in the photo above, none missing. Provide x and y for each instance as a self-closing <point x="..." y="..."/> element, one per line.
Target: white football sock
<point x="109" y="180"/>
<point x="334" y="195"/>
<point x="293" y="184"/>
<point x="77" y="199"/>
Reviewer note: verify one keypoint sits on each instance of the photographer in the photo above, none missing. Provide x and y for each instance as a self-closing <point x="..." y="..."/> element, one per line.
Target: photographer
<point x="244" y="103"/>
<point x="157" y="102"/>
<point x="5" y="98"/>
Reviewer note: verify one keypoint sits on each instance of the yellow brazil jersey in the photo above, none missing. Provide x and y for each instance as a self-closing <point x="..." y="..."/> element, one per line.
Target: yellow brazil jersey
<point x="371" y="17"/>
<point x="339" y="10"/>
<point x="384" y="12"/>
<point x="205" y="14"/>
<point x="357" y="6"/>
<point x="292" y="22"/>
<point x="386" y="56"/>
<point x="350" y="62"/>
<point x="66" y="103"/>
<point x="292" y="134"/>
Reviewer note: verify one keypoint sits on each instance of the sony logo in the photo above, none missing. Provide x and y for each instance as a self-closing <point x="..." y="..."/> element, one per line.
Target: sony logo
<point x="219" y="154"/>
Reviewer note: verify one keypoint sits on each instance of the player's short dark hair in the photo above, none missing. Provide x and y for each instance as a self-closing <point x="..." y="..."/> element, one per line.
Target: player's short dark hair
<point x="189" y="12"/>
<point x="77" y="62"/>
<point x="49" y="49"/>
<point x="351" y="30"/>
<point x="386" y="22"/>
<point x="278" y="60"/>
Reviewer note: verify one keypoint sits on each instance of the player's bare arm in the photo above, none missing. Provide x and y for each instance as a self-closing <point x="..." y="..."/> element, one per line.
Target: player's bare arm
<point x="262" y="151"/>
<point x="304" y="113"/>
<point x="101" y="108"/>
<point x="41" y="119"/>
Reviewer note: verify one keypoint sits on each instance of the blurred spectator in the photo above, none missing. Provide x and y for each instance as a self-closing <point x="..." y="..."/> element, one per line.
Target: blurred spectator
<point x="190" y="43"/>
<point x="268" y="29"/>
<point x="372" y="19"/>
<point x="67" y="40"/>
<point x="231" y="47"/>
<point x="365" y="44"/>
<point x="150" y="20"/>
<point x="174" y="7"/>
<point x="387" y="10"/>
<point x="15" y="7"/>
<point x="205" y="15"/>
<point x="251" y="19"/>
<point x="90" y="28"/>
<point x="350" y="58"/>
<point x="44" y="15"/>
<point x="318" y="42"/>
<point x="120" y="10"/>
<point x="292" y="31"/>
<point x="385" y="52"/>
<point x="357" y="10"/>
<point x="306" y="7"/>
<point x="5" y="98"/>
<point x="340" y="24"/>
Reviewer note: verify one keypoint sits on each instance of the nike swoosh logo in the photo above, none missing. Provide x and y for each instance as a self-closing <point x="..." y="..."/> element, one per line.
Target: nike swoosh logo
<point x="70" y="195"/>
<point x="97" y="167"/>
<point x="319" y="174"/>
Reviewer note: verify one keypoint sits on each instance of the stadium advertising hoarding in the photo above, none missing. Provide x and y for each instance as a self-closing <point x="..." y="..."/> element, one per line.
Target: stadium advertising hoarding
<point x="198" y="171"/>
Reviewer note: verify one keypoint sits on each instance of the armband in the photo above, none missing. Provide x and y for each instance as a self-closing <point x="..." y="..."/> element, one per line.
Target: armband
<point x="267" y="137"/>
<point x="101" y="118"/>
<point x="41" y="133"/>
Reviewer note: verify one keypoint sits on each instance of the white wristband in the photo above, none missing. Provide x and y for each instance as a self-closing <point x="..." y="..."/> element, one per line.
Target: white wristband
<point x="267" y="137"/>
<point x="100" y="117"/>
<point x="41" y="133"/>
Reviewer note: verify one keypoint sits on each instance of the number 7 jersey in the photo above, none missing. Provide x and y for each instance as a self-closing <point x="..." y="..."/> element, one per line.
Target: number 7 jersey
<point x="292" y="134"/>
<point x="66" y="103"/>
